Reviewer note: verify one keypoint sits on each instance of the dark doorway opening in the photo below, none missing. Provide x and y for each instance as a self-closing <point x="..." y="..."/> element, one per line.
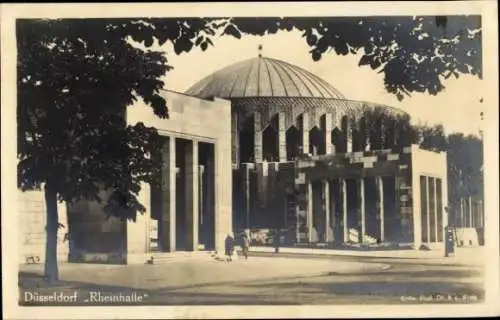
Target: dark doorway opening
<point x="206" y="229"/>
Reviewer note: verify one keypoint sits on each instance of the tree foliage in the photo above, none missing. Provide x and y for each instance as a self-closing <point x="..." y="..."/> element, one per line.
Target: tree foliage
<point x="75" y="80"/>
<point x="415" y="54"/>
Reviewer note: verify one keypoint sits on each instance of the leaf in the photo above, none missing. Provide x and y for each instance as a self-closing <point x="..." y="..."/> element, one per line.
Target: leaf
<point x="364" y="60"/>
<point x="316" y="55"/>
<point x="311" y="39"/>
<point x="375" y="63"/>
<point x="198" y="41"/>
<point x="231" y="30"/>
<point x="204" y="46"/>
<point x="148" y="42"/>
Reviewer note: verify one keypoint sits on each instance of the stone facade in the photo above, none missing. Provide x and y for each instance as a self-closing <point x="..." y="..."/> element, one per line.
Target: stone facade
<point x="31" y="210"/>
<point x="192" y="206"/>
<point x="357" y="197"/>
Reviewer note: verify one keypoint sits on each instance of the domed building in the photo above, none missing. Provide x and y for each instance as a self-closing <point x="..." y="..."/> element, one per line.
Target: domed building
<point x="303" y="164"/>
<point x="280" y="110"/>
<point x="261" y="145"/>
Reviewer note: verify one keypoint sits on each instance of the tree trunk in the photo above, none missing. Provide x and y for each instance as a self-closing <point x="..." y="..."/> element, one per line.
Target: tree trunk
<point x="51" y="270"/>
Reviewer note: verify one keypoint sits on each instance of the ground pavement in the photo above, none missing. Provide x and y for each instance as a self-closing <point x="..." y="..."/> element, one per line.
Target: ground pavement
<point x="283" y="278"/>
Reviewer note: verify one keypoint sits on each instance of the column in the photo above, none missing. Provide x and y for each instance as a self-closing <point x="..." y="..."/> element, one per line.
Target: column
<point x="246" y="178"/>
<point x="309" y="211"/>
<point x="436" y="224"/>
<point x="235" y="143"/>
<point x="333" y="212"/>
<point x="201" y="202"/>
<point x="380" y="188"/>
<point x="304" y="127"/>
<point x="327" y="205"/>
<point x="327" y="131"/>
<point x="191" y="228"/>
<point x="281" y="137"/>
<point x="480" y="213"/>
<point x="137" y="234"/>
<point x="349" y="138"/>
<point x="471" y="221"/>
<point x="343" y="184"/>
<point x="167" y="222"/>
<point x="427" y="202"/>
<point x="462" y="221"/>
<point x="361" y="189"/>
<point x="257" y="137"/>
<point x="209" y="220"/>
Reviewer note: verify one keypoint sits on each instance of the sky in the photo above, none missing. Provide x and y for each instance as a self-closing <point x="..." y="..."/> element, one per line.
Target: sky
<point x="457" y="108"/>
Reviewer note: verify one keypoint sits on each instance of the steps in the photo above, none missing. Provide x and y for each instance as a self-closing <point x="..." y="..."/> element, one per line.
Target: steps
<point x="179" y="256"/>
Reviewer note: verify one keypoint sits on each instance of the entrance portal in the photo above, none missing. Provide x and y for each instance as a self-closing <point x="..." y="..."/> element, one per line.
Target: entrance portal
<point x="190" y="224"/>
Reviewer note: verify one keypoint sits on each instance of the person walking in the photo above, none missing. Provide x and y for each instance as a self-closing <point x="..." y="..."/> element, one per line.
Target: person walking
<point x="245" y="245"/>
<point x="229" y="246"/>
<point x="277" y="241"/>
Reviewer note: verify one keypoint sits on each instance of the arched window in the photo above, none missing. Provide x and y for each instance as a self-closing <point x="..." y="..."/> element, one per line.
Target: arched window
<point x="292" y="142"/>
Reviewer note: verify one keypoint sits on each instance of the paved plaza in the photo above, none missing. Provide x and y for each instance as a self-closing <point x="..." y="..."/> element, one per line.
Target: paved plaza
<point x="284" y="278"/>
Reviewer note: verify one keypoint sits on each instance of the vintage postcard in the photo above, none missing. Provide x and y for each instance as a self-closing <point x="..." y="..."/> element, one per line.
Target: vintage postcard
<point x="248" y="160"/>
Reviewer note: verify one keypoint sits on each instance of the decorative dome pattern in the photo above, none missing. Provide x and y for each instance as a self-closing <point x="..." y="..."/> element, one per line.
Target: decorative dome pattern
<point x="263" y="77"/>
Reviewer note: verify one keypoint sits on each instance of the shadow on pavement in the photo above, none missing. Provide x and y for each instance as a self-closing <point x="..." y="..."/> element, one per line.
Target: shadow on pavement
<point x="31" y="281"/>
<point x="384" y="288"/>
<point x="288" y="291"/>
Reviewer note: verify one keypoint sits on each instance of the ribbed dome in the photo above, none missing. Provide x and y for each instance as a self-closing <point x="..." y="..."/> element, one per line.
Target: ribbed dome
<point x="263" y="77"/>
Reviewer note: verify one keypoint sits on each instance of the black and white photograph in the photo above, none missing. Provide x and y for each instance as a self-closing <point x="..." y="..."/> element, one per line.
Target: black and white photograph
<point x="242" y="160"/>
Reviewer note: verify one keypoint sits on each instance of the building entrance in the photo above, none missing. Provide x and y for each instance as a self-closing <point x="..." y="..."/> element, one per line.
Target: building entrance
<point x="183" y="204"/>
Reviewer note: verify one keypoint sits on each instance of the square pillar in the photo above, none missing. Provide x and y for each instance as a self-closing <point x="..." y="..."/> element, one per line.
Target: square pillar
<point x="235" y="143"/>
<point x="304" y="128"/>
<point x="462" y="224"/>
<point x="201" y="198"/>
<point x="327" y="131"/>
<point x="309" y="211"/>
<point x="246" y="178"/>
<point x="209" y="220"/>
<point x="436" y="224"/>
<point x="343" y="184"/>
<point x="361" y="190"/>
<point x="166" y="226"/>
<point x="327" y="212"/>
<point x="192" y="196"/>
<point x="257" y="137"/>
<point x="428" y="222"/>
<point x="137" y="232"/>
<point x="223" y="186"/>
<point x="480" y="213"/>
<point x="281" y="137"/>
<point x="380" y="194"/>
<point x="471" y="221"/>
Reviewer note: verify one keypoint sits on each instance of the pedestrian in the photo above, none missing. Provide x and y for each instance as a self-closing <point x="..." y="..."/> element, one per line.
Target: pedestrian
<point x="229" y="246"/>
<point x="245" y="245"/>
<point x="277" y="240"/>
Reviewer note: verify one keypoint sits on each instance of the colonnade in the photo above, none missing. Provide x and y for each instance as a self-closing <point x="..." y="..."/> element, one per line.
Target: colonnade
<point x="303" y="124"/>
<point x="431" y="207"/>
<point x="471" y="213"/>
<point x="192" y="192"/>
<point x="333" y="191"/>
<point x="312" y="133"/>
